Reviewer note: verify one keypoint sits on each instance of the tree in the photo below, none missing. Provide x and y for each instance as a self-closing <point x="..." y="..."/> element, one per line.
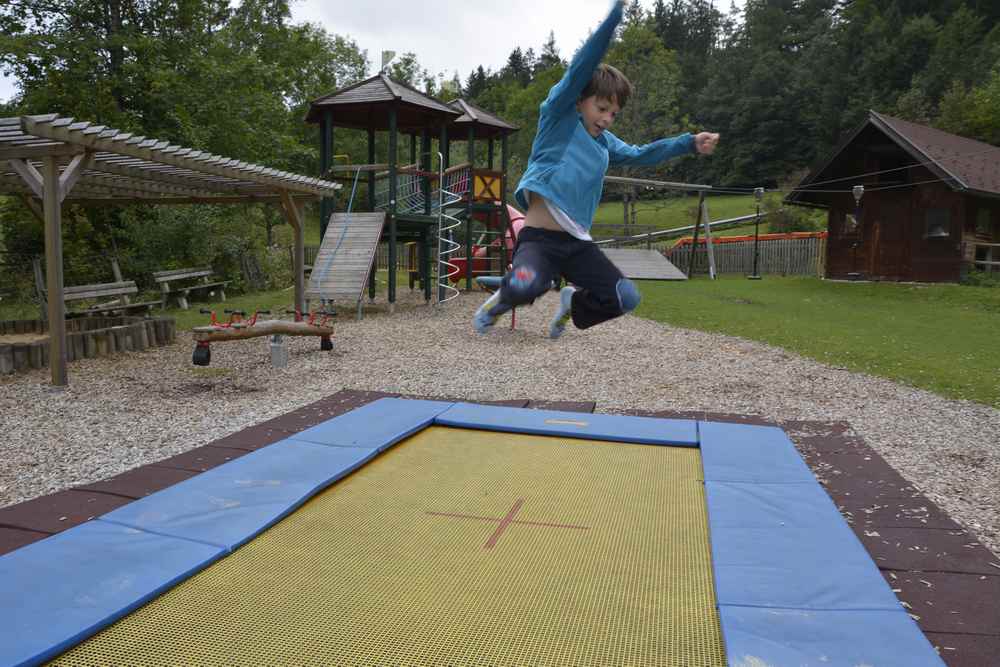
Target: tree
<point x="476" y="83"/>
<point x="973" y="112"/>
<point x="518" y="67"/>
<point x="550" y="55"/>
<point x="634" y="15"/>
<point x="407" y="70"/>
<point x="653" y="111"/>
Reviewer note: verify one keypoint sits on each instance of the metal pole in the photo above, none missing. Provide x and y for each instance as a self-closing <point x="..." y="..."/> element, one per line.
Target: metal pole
<point x="758" y="194"/>
<point x="694" y="241"/>
<point x="858" y="191"/>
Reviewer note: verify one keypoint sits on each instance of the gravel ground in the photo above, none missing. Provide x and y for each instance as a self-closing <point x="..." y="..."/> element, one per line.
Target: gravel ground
<point x="139" y="408"/>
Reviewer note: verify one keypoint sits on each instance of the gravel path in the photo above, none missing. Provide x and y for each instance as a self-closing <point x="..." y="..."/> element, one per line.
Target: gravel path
<point x="139" y="408"/>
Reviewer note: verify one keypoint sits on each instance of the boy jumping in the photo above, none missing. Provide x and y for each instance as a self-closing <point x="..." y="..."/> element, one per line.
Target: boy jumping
<point x="561" y="189"/>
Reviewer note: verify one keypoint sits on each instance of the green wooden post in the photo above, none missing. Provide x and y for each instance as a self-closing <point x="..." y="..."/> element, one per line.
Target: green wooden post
<point x="503" y="203"/>
<point x="393" y="163"/>
<point x="468" y="206"/>
<point x="446" y="149"/>
<point x="426" y="163"/>
<point x="371" y="207"/>
<point x="423" y="262"/>
<point x="326" y="205"/>
<point x="371" y="174"/>
<point x="490" y="154"/>
<point x="427" y="238"/>
<point x="413" y="148"/>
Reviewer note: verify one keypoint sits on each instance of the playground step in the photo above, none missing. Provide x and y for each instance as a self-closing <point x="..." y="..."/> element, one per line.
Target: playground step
<point x="340" y="271"/>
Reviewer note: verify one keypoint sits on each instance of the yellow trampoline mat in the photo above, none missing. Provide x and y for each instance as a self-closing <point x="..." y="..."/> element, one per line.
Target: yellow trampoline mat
<point x="458" y="547"/>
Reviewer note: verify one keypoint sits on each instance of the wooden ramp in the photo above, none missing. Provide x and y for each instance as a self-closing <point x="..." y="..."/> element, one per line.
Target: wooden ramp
<point x="340" y="271"/>
<point x="643" y="264"/>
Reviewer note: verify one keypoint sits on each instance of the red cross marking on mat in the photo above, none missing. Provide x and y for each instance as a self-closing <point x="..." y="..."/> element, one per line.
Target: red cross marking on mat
<point x="506" y="521"/>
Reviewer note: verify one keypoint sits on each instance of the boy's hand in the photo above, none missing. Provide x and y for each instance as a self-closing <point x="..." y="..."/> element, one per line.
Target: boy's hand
<point x="705" y="142"/>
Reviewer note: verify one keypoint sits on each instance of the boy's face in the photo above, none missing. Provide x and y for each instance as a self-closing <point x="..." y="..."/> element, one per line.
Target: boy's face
<point x="598" y="113"/>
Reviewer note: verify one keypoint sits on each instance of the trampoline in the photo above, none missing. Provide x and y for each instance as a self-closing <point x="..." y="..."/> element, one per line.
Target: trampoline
<point x="412" y="532"/>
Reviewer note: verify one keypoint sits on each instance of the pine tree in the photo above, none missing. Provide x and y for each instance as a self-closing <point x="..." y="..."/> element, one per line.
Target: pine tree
<point x="550" y="54"/>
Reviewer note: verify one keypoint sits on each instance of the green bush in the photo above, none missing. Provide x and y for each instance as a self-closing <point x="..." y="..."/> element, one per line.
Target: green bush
<point x="977" y="278"/>
<point x="781" y="218"/>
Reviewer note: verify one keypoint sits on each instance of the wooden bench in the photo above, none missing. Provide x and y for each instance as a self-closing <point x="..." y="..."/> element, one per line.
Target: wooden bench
<point x="121" y="291"/>
<point x="202" y="276"/>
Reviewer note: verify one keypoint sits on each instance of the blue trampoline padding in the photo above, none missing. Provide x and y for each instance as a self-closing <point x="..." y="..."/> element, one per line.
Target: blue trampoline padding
<point x="229" y="505"/>
<point x="59" y="591"/>
<point x="758" y="637"/>
<point x="377" y="425"/>
<point x="589" y="426"/>
<point x="746" y="453"/>
<point x="786" y="545"/>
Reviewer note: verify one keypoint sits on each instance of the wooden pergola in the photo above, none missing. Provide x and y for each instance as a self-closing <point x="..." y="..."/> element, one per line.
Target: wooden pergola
<point x="47" y="160"/>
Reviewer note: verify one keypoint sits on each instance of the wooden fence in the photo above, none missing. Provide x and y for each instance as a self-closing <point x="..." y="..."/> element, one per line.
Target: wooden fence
<point x="792" y="257"/>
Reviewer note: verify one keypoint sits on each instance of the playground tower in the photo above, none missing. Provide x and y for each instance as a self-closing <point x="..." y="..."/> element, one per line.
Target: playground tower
<point x="407" y="195"/>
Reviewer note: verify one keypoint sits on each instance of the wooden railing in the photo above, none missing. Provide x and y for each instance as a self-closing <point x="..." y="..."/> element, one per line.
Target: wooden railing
<point x="989" y="262"/>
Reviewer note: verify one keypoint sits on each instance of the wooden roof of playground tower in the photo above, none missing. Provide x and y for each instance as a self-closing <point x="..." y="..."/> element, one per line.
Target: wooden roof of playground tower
<point x="485" y="124"/>
<point x="366" y="105"/>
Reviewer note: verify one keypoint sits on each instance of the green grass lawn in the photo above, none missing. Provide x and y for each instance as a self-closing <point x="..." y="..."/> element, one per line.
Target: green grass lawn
<point x="942" y="337"/>
<point x="676" y="212"/>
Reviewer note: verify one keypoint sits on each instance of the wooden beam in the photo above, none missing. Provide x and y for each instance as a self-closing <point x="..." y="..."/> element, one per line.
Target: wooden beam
<point x="149" y="171"/>
<point x="113" y="141"/>
<point x="34" y="152"/>
<point x="294" y="217"/>
<point x="71" y="174"/>
<point x="54" y="272"/>
<point x="29" y="175"/>
<point x="97" y="200"/>
<point x="34" y="206"/>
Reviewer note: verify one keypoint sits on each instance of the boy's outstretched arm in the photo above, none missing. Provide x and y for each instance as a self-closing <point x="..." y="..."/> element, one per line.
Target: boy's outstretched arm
<point x="565" y="94"/>
<point x="623" y="154"/>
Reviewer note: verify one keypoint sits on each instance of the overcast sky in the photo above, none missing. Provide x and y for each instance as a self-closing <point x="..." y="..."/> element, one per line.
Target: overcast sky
<point x="451" y="35"/>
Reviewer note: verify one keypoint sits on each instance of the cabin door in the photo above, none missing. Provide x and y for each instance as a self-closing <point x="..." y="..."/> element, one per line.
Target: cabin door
<point x="890" y="243"/>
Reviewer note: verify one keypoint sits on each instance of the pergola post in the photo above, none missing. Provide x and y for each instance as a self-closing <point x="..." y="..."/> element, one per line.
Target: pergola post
<point x="52" y="205"/>
<point x="52" y="188"/>
<point x="294" y="217"/>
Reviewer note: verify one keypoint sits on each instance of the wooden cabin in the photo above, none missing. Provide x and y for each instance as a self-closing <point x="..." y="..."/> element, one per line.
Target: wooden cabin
<point x="929" y="212"/>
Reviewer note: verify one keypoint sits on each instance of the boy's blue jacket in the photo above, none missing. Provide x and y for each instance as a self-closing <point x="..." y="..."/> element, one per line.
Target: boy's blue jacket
<point x="567" y="165"/>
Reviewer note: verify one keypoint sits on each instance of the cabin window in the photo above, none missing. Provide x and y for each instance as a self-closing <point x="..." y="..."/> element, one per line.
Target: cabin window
<point x="984" y="223"/>
<point x="937" y="223"/>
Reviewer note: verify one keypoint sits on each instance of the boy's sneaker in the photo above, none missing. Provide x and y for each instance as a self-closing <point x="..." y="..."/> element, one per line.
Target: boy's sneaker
<point x="562" y="317"/>
<point x="482" y="321"/>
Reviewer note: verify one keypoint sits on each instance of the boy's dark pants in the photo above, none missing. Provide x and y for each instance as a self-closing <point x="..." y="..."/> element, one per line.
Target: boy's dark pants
<point x="543" y="255"/>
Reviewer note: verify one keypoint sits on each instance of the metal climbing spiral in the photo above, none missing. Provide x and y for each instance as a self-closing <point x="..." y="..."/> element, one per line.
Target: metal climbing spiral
<point x="446" y="245"/>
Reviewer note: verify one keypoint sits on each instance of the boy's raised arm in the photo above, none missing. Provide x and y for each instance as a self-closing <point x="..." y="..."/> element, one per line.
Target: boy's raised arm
<point x="565" y="93"/>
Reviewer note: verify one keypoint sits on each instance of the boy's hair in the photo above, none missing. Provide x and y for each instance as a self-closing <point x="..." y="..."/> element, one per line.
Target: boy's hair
<point x="609" y="83"/>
